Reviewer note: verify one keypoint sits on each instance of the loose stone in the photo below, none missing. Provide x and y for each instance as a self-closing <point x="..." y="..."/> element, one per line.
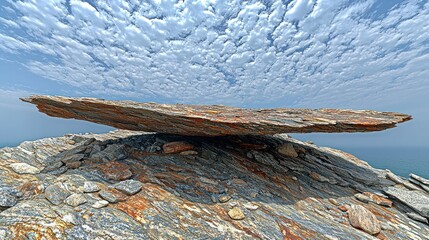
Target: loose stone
<point x="176" y="147"/>
<point x="251" y="206"/>
<point x="288" y="150"/>
<point x="362" y="198"/>
<point x="75" y="200"/>
<point x="362" y="218"/>
<point x="224" y="198"/>
<point x="24" y="168"/>
<point x="56" y="193"/>
<point x="236" y="214"/>
<point x="112" y="195"/>
<point x="129" y="187"/>
<point x="7" y="200"/>
<point x="90" y="186"/>
<point x="100" y="204"/>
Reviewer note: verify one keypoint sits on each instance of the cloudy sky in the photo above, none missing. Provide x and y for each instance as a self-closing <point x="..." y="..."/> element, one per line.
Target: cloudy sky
<point x="368" y="54"/>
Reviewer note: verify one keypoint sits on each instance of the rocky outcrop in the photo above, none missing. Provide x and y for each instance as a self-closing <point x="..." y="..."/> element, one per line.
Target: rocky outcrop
<point x="214" y="120"/>
<point x="129" y="186"/>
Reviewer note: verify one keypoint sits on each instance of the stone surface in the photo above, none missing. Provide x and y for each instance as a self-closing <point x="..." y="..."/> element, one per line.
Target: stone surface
<point x="180" y="194"/>
<point x="115" y="171"/>
<point x="129" y="187"/>
<point x="213" y="120"/>
<point x="420" y="179"/>
<point x="417" y="200"/>
<point x="56" y="193"/>
<point x="417" y="217"/>
<point x="361" y="218"/>
<point x="24" y="168"/>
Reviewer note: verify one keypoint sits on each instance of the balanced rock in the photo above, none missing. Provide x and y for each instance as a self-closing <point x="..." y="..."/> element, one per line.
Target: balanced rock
<point x="214" y="120"/>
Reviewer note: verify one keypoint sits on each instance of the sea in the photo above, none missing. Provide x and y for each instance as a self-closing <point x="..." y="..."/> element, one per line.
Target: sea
<point x="400" y="160"/>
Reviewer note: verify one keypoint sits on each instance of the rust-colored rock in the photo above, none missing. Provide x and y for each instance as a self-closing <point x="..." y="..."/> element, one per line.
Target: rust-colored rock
<point x="176" y="147"/>
<point x="115" y="171"/>
<point x="199" y="120"/>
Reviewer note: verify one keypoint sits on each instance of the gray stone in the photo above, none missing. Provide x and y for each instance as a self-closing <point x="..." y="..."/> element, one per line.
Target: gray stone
<point x="410" y="185"/>
<point x="24" y="168"/>
<point x="362" y="198"/>
<point x="153" y="149"/>
<point x="111" y="152"/>
<point x="72" y="158"/>
<point x="417" y="217"/>
<point x="100" y="204"/>
<point x="417" y="200"/>
<point x="109" y="196"/>
<point x="421" y="185"/>
<point x="7" y="200"/>
<point x="56" y="193"/>
<point x="394" y="178"/>
<point x="129" y="187"/>
<point x="420" y="179"/>
<point x="90" y="186"/>
<point x="75" y="200"/>
<point x="288" y="150"/>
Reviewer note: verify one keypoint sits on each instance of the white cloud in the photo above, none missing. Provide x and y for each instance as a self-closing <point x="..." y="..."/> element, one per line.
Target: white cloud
<point x="233" y="52"/>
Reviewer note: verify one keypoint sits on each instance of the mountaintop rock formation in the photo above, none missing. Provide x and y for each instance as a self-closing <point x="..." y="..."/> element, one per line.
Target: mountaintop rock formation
<point x="135" y="185"/>
<point x="175" y="184"/>
<point x="200" y="120"/>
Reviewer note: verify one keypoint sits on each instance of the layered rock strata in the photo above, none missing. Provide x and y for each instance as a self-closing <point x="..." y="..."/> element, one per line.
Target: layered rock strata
<point x="133" y="185"/>
<point x="199" y="120"/>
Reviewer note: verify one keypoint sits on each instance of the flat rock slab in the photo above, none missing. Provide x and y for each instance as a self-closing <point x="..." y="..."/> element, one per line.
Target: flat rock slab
<point x="214" y="120"/>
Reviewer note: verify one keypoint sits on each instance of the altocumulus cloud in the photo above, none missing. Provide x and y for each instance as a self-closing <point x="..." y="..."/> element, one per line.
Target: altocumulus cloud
<point x="240" y="52"/>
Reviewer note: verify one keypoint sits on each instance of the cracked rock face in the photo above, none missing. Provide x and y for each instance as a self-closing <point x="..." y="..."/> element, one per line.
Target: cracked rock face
<point x="235" y="187"/>
<point x="199" y="120"/>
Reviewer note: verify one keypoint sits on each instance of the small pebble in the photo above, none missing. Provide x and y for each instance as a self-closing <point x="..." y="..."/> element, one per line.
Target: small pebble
<point x="75" y="200"/>
<point x="251" y="206"/>
<point x="224" y="198"/>
<point x="236" y="213"/>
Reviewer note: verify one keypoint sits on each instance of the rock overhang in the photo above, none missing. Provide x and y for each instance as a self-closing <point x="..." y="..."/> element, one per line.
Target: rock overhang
<point x="214" y="120"/>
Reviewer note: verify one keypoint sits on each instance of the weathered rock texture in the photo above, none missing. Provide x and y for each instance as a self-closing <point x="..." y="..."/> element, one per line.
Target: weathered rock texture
<point x="214" y="120"/>
<point x="233" y="188"/>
